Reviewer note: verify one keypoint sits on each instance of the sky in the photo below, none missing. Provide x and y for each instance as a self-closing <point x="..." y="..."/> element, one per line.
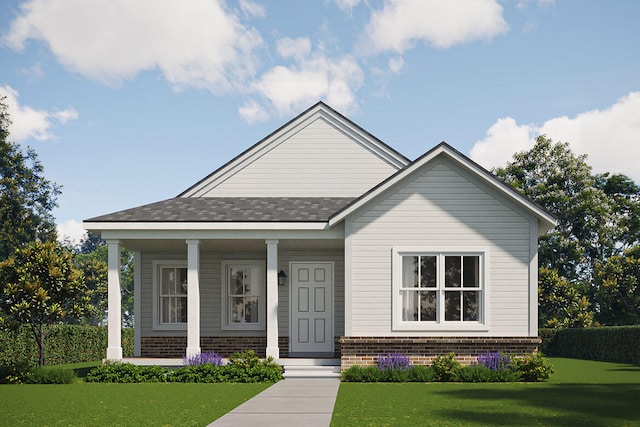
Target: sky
<point x="131" y="102"/>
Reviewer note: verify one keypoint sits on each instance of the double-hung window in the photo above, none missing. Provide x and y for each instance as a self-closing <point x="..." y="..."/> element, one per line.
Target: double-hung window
<point x="243" y="305"/>
<point x="438" y="289"/>
<point x="170" y="294"/>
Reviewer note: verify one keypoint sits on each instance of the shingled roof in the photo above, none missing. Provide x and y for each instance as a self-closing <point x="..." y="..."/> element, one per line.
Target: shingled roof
<point x="232" y="209"/>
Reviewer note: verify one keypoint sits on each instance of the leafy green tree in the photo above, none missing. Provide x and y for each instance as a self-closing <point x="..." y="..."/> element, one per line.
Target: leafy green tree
<point x="562" y="182"/>
<point x="561" y="304"/>
<point x="92" y="259"/>
<point x="618" y="290"/>
<point x="26" y="197"/>
<point x="41" y="287"/>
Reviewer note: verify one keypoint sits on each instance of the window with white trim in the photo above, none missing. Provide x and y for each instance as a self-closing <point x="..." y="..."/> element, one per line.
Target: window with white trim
<point x="438" y="289"/>
<point x="172" y="295"/>
<point x="243" y="305"/>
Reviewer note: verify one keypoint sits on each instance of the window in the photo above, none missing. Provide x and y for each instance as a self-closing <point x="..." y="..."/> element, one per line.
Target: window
<point x="170" y="295"/>
<point x="438" y="290"/>
<point x="242" y="295"/>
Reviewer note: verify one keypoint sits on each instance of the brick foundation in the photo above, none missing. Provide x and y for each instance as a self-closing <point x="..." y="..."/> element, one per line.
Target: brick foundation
<point x="224" y="346"/>
<point x="364" y="351"/>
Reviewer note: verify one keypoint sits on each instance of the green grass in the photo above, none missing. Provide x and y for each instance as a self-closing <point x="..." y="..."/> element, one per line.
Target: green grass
<point x="89" y="404"/>
<point x="580" y="392"/>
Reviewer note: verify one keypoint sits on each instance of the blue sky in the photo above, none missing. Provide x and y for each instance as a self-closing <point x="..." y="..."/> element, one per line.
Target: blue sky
<point x="130" y="102"/>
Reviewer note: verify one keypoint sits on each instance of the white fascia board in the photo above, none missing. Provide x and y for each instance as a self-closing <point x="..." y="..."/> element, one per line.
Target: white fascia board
<point x="208" y="226"/>
<point x="334" y="234"/>
<point x="546" y="220"/>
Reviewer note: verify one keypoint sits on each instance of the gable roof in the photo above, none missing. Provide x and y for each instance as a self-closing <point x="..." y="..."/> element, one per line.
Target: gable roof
<point x="545" y="218"/>
<point x="319" y="110"/>
<point x="230" y="209"/>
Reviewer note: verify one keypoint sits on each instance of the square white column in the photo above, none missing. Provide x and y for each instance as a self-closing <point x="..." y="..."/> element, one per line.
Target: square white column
<point x="272" y="299"/>
<point x="114" y="300"/>
<point x="193" y="298"/>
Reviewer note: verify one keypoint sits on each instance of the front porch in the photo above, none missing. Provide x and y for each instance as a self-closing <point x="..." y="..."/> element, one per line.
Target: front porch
<point x="206" y="264"/>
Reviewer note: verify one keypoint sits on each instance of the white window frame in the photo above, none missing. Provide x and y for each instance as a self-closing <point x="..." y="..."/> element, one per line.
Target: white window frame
<point x="157" y="276"/>
<point x="439" y="325"/>
<point x="260" y="266"/>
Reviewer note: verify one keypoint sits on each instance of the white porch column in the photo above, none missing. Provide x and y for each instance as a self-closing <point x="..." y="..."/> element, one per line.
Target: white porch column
<point x="114" y="300"/>
<point x="272" y="299"/>
<point x="193" y="297"/>
<point x="137" y="304"/>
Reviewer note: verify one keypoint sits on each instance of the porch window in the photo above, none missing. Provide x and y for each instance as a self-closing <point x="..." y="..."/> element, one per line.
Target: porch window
<point x="438" y="290"/>
<point x="173" y="295"/>
<point x="243" y="291"/>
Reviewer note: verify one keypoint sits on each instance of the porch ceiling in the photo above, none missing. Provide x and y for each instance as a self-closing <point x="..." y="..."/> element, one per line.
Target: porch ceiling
<point x="231" y="245"/>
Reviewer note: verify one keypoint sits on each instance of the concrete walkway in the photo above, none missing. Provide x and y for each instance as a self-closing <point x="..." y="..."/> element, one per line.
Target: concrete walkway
<point x="290" y="402"/>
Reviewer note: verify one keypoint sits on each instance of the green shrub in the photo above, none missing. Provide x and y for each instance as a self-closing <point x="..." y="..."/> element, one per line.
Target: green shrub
<point x="618" y="344"/>
<point x="446" y="367"/>
<point x="65" y="344"/>
<point x="204" y="373"/>
<point x="127" y="373"/>
<point x="533" y="367"/>
<point x="14" y="373"/>
<point x="51" y="375"/>
<point x="421" y="373"/>
<point x="360" y="374"/>
<point x="246" y="367"/>
<point x="482" y="374"/>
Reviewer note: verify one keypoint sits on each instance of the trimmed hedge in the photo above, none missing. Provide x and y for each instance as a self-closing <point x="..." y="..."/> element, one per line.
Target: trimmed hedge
<point x="618" y="344"/>
<point x="65" y="344"/>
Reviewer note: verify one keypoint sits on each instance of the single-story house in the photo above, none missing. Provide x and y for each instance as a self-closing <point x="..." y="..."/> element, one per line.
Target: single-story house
<point x="322" y="241"/>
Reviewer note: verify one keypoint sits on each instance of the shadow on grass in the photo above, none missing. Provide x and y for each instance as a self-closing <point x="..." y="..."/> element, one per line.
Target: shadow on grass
<point x="557" y="404"/>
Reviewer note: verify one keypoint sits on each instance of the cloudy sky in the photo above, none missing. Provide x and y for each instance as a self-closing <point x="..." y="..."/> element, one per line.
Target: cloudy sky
<point x="130" y="102"/>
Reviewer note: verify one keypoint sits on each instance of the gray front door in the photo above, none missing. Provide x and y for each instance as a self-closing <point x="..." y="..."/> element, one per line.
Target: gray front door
<point x="311" y="307"/>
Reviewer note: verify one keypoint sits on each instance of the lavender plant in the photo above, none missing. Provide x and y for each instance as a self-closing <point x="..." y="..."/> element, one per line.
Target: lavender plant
<point x="202" y="358"/>
<point x="495" y="361"/>
<point x="393" y="361"/>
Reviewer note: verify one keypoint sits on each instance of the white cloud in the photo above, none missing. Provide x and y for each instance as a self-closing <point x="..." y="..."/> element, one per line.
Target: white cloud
<point x="400" y="23"/>
<point x="347" y="5"/>
<point x="396" y="64"/>
<point x="609" y="137"/>
<point x="71" y="230"/>
<point x="196" y="43"/>
<point x="28" y="122"/>
<point x="310" y="77"/>
<point x="294" y="48"/>
<point x="252" y="112"/>
<point x="252" y="9"/>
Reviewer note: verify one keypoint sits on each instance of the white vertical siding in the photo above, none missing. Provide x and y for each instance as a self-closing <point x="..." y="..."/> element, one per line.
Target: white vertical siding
<point x="440" y="205"/>
<point x="318" y="161"/>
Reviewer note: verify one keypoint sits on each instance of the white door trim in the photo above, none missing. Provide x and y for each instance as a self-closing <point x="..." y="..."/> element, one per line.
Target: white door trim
<point x="331" y="329"/>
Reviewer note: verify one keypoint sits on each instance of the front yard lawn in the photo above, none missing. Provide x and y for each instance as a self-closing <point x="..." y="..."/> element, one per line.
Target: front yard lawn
<point x="90" y="404"/>
<point x="580" y="392"/>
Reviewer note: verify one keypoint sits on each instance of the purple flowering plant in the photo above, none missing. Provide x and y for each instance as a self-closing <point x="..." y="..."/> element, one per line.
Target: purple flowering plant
<point x="393" y="361"/>
<point x="495" y="361"/>
<point x="202" y="358"/>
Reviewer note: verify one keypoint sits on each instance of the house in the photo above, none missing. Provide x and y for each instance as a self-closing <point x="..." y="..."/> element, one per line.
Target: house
<point x="322" y="241"/>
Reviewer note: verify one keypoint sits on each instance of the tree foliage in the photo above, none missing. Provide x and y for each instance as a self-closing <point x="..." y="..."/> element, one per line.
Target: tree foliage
<point x="618" y="288"/>
<point x="561" y="304"/>
<point x="41" y="287"/>
<point x="598" y="219"/>
<point x="92" y="259"/>
<point x="26" y="197"/>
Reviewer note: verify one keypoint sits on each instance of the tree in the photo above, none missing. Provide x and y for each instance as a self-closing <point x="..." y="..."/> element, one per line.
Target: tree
<point x="618" y="288"/>
<point x="92" y="260"/>
<point x="560" y="181"/>
<point x="26" y="197"/>
<point x="41" y="287"/>
<point x="560" y="303"/>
